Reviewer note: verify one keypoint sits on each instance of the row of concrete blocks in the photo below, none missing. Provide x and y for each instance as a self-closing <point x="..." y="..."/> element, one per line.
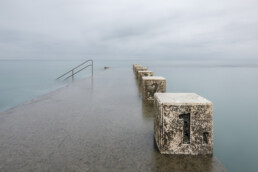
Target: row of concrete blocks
<point x="183" y="122"/>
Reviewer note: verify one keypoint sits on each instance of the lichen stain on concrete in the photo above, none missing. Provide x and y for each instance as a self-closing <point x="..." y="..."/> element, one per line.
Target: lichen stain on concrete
<point x="185" y="127"/>
<point x="152" y="85"/>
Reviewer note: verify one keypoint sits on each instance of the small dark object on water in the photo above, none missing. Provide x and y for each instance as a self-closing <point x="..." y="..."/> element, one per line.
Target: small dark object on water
<point x="106" y="67"/>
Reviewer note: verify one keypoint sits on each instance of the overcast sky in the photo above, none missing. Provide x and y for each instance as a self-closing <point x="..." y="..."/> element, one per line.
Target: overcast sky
<point x="123" y="29"/>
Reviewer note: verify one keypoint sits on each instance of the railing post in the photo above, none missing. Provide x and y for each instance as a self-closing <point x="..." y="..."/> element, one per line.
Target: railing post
<point x="92" y="68"/>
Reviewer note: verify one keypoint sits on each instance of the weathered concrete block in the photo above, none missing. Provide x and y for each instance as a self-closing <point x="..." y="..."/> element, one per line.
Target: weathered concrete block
<point x="152" y="85"/>
<point x="143" y="73"/>
<point x="183" y="124"/>
<point x="139" y="68"/>
<point x="134" y="65"/>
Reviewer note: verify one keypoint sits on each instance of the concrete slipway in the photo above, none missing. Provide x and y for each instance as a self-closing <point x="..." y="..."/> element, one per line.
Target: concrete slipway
<point x="98" y="124"/>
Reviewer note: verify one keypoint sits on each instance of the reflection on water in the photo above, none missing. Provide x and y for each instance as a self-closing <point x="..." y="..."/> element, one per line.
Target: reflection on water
<point x="147" y="110"/>
<point x="188" y="163"/>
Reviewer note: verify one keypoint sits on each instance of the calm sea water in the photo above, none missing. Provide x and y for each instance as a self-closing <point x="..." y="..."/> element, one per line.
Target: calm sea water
<point x="22" y="81"/>
<point x="231" y="86"/>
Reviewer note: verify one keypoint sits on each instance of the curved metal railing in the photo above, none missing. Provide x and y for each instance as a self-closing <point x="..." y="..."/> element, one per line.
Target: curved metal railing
<point x="73" y="72"/>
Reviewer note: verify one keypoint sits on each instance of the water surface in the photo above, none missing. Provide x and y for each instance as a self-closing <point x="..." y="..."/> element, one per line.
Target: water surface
<point x="231" y="86"/>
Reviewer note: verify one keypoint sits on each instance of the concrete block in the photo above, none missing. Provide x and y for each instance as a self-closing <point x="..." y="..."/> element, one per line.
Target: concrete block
<point x="183" y="124"/>
<point x="143" y="73"/>
<point x="134" y="65"/>
<point x="152" y="85"/>
<point x="139" y="68"/>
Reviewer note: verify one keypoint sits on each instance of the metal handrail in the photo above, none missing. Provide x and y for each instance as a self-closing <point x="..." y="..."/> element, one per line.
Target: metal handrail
<point x="72" y="70"/>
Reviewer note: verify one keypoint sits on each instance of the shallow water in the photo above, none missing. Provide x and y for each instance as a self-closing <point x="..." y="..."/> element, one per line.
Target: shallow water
<point x="231" y="86"/>
<point x="23" y="80"/>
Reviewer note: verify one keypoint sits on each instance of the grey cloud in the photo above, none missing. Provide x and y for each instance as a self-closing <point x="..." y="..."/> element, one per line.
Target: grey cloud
<point x="67" y="29"/>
